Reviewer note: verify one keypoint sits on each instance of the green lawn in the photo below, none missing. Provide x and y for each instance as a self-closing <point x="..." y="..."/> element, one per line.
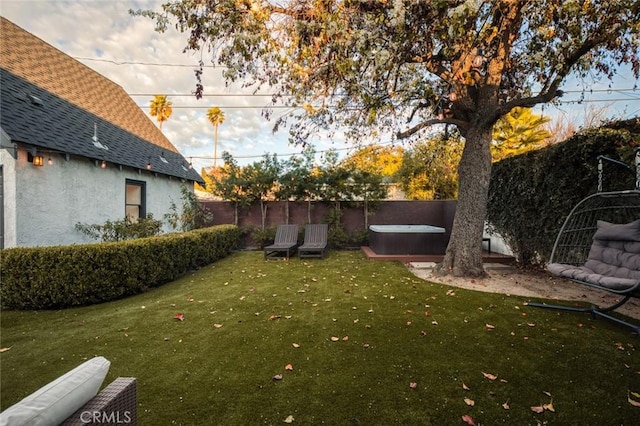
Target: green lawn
<point x="245" y="319"/>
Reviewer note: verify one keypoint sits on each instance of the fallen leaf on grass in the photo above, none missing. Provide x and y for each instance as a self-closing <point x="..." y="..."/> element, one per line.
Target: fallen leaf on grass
<point x="538" y="409"/>
<point x="506" y="405"/>
<point x="295" y="345"/>
<point x="469" y="402"/>
<point x="413" y="385"/>
<point x="217" y="325"/>
<point x="490" y="327"/>
<point x="274" y="317"/>
<point x="465" y="387"/>
<point x="334" y="338"/>
<point x="468" y="420"/>
<point x="277" y="377"/>
<point x="5" y="349"/>
<point x="489" y="376"/>
<point x="288" y="367"/>
<point x="635" y="401"/>
<point x="179" y="316"/>
<point x="549" y="407"/>
<point x="289" y="419"/>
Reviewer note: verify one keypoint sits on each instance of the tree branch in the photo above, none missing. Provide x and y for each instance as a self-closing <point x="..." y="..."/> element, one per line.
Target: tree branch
<point x="551" y="90"/>
<point x="415" y="129"/>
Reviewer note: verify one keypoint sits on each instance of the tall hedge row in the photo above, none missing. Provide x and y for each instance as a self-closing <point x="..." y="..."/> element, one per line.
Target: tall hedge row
<point x="530" y="195"/>
<point x="64" y="276"/>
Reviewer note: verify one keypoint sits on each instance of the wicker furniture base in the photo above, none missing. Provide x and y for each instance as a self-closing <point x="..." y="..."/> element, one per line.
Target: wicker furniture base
<point x="114" y="405"/>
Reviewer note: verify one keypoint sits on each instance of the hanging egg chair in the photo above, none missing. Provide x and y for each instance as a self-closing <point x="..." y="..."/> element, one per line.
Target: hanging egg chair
<point x="599" y="245"/>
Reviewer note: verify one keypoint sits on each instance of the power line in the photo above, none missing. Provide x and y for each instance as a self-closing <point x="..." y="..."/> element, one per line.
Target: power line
<point x="577" y="101"/>
<point x="151" y="64"/>
<point x="177" y="95"/>
<point x="160" y="64"/>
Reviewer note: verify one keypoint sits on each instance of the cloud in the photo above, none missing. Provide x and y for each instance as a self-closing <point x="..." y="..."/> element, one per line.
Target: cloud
<point x="110" y="39"/>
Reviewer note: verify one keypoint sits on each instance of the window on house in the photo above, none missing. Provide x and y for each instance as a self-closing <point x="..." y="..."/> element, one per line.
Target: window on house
<point x="135" y="200"/>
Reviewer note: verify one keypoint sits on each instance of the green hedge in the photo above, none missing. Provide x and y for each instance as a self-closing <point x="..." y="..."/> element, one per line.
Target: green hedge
<point x="64" y="276"/>
<point x="530" y="195"/>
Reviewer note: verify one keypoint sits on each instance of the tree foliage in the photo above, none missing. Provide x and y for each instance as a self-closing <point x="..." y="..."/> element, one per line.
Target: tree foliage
<point x="230" y="184"/>
<point x="385" y="160"/>
<point x="297" y="179"/>
<point x="518" y="132"/>
<point x="430" y="169"/>
<point x="372" y="67"/>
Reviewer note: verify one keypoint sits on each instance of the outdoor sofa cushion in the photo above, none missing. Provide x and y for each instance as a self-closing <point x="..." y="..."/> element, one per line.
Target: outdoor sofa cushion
<point x="54" y="402"/>
<point x="613" y="261"/>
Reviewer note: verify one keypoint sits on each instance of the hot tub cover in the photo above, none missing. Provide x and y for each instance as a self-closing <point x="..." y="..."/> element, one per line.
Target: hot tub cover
<point x="407" y="229"/>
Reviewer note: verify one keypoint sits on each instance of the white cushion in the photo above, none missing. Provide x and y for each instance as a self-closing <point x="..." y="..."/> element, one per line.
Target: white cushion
<point x="54" y="402"/>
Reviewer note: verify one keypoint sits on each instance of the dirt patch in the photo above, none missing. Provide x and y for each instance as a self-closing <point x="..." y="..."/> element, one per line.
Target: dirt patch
<point x="532" y="283"/>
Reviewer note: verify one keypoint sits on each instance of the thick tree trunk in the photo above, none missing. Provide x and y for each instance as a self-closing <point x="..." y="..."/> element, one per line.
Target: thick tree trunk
<point x="463" y="256"/>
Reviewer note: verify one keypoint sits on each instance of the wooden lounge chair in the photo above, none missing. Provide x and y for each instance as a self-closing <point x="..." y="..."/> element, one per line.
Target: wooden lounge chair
<point x="284" y="244"/>
<point x="315" y="241"/>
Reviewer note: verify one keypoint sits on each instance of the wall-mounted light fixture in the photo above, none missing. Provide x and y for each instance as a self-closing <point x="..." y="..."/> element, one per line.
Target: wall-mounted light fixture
<point x="50" y="161"/>
<point x="149" y="165"/>
<point x="38" y="160"/>
<point x="103" y="165"/>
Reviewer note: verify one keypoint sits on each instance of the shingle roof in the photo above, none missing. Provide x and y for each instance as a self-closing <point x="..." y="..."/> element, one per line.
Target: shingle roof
<point x="53" y="102"/>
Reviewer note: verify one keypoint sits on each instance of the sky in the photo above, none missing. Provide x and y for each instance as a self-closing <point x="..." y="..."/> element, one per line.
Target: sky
<point x="102" y="35"/>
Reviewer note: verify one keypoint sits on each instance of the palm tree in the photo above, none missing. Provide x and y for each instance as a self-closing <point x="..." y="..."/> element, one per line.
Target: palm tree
<point x="216" y="117"/>
<point x="161" y="108"/>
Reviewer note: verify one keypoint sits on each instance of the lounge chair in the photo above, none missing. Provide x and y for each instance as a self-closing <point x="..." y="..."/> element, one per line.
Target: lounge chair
<point x="284" y="244"/>
<point x="315" y="241"/>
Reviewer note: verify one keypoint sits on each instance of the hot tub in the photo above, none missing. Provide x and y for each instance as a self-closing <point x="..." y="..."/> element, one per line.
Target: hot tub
<point x="407" y="239"/>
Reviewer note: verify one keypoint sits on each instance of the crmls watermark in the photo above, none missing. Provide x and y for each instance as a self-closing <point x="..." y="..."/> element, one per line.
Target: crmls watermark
<point x="103" y="417"/>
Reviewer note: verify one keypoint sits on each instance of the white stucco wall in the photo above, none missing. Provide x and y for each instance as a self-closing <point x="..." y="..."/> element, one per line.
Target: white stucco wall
<point x="498" y="244"/>
<point x="9" y="194"/>
<point x="48" y="201"/>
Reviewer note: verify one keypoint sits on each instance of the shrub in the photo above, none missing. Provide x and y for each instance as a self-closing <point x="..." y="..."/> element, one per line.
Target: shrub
<point x="63" y="276"/>
<point x="194" y="214"/>
<point x="263" y="237"/>
<point x="125" y="229"/>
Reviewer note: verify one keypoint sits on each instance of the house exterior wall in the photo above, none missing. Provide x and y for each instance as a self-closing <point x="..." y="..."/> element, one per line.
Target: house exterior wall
<point x="8" y="196"/>
<point x="43" y="204"/>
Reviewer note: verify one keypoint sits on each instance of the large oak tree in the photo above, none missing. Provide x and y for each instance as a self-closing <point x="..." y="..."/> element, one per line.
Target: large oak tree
<point x="402" y="66"/>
